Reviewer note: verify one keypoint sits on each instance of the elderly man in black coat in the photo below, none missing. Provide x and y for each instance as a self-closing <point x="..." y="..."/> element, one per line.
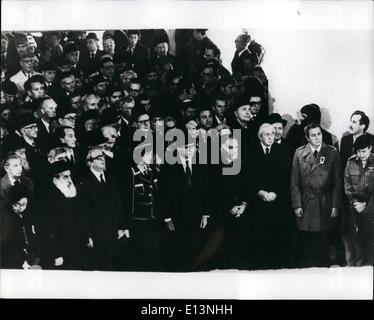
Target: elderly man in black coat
<point x="104" y="212"/>
<point x="267" y="187"/>
<point x="64" y="222"/>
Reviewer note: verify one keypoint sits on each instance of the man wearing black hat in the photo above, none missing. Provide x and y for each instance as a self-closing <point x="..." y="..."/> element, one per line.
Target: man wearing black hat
<point x="48" y="70"/>
<point x="103" y="207"/>
<point x="65" y="225"/>
<point x="72" y="53"/>
<point x="278" y="123"/>
<point x="295" y="138"/>
<point x="89" y="61"/>
<point x="358" y="185"/>
<point x="26" y="72"/>
<point x="135" y="56"/>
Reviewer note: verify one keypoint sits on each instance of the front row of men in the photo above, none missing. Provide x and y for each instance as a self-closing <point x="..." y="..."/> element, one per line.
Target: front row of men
<point x="189" y="216"/>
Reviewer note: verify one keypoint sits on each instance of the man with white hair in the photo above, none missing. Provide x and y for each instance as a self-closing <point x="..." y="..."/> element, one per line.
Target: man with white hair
<point x="266" y="198"/>
<point x="64" y="221"/>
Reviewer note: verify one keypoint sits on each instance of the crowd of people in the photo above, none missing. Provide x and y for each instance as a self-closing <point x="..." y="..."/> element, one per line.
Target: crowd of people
<point x="72" y="196"/>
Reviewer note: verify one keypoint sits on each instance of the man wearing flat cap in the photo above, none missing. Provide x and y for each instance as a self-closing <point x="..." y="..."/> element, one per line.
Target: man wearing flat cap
<point x="359" y="185"/>
<point x="89" y="61"/>
<point x="65" y="227"/>
<point x="103" y="207"/>
<point x="26" y="72"/>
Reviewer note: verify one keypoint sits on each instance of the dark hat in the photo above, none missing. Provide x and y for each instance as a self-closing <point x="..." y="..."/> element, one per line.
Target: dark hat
<point x="62" y="111"/>
<point x="275" y="118"/>
<point x="53" y="33"/>
<point x="58" y="167"/>
<point x="240" y="101"/>
<point x="98" y="79"/>
<point x="109" y="117"/>
<point x="62" y="61"/>
<point x="362" y="142"/>
<point x="92" y="35"/>
<point x="89" y="115"/>
<point x="13" y="143"/>
<point x="47" y="66"/>
<point x="63" y="75"/>
<point x="70" y="47"/>
<point x="24" y="120"/>
<point x="313" y="112"/>
<point x="27" y="55"/>
<point x="95" y="137"/>
<point x="133" y="31"/>
<point x="9" y="87"/>
<point x="17" y="192"/>
<point x="161" y="39"/>
<point x="21" y="38"/>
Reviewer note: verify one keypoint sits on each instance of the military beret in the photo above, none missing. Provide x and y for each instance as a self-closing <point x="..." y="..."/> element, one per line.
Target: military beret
<point x="92" y="35"/>
<point x="70" y="47"/>
<point x="362" y="142"/>
<point x="58" y="167"/>
<point x="25" y="120"/>
<point x="275" y="118"/>
<point x="17" y="192"/>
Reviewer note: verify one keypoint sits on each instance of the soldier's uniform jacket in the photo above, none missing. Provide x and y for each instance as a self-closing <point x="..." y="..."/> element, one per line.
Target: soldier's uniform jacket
<point x="315" y="186"/>
<point x="357" y="179"/>
<point x="144" y="193"/>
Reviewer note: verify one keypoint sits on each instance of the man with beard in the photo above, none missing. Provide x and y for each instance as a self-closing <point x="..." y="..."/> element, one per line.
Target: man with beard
<point x="103" y="208"/>
<point x="64" y="220"/>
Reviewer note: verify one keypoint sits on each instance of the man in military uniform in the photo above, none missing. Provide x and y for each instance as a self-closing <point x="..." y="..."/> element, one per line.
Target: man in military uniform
<point x="358" y="185"/>
<point x="315" y="193"/>
<point x="142" y="192"/>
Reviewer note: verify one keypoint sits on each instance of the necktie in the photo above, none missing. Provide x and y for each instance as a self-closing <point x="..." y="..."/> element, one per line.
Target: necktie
<point x="267" y="151"/>
<point x="102" y="180"/>
<point x="92" y="55"/>
<point x="315" y="154"/>
<point x="17" y="182"/>
<point x="188" y="173"/>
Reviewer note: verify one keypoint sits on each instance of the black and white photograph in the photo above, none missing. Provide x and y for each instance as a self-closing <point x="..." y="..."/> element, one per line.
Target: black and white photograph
<point x="187" y="149"/>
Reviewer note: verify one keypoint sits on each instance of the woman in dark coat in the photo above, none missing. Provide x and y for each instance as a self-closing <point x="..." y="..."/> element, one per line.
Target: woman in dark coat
<point x="17" y="232"/>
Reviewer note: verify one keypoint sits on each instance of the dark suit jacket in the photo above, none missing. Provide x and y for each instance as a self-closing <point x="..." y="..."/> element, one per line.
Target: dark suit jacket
<point x="137" y="61"/>
<point x="103" y="208"/>
<point x="237" y="63"/>
<point x="87" y="65"/>
<point x="185" y="205"/>
<point x="45" y="138"/>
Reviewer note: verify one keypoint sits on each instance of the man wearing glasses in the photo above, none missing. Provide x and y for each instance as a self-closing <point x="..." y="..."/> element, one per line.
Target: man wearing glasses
<point x="26" y="72"/>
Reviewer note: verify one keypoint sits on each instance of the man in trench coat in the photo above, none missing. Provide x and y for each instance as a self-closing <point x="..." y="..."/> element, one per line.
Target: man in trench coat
<point x="315" y="190"/>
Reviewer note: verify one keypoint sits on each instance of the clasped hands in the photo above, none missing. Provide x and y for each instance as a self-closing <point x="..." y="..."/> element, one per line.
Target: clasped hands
<point x="267" y="196"/>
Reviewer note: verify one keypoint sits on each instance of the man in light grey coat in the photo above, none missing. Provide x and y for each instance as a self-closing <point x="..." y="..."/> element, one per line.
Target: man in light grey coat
<point x="315" y="189"/>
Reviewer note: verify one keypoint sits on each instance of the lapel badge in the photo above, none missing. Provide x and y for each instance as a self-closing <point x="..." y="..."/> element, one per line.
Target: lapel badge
<point x="322" y="160"/>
